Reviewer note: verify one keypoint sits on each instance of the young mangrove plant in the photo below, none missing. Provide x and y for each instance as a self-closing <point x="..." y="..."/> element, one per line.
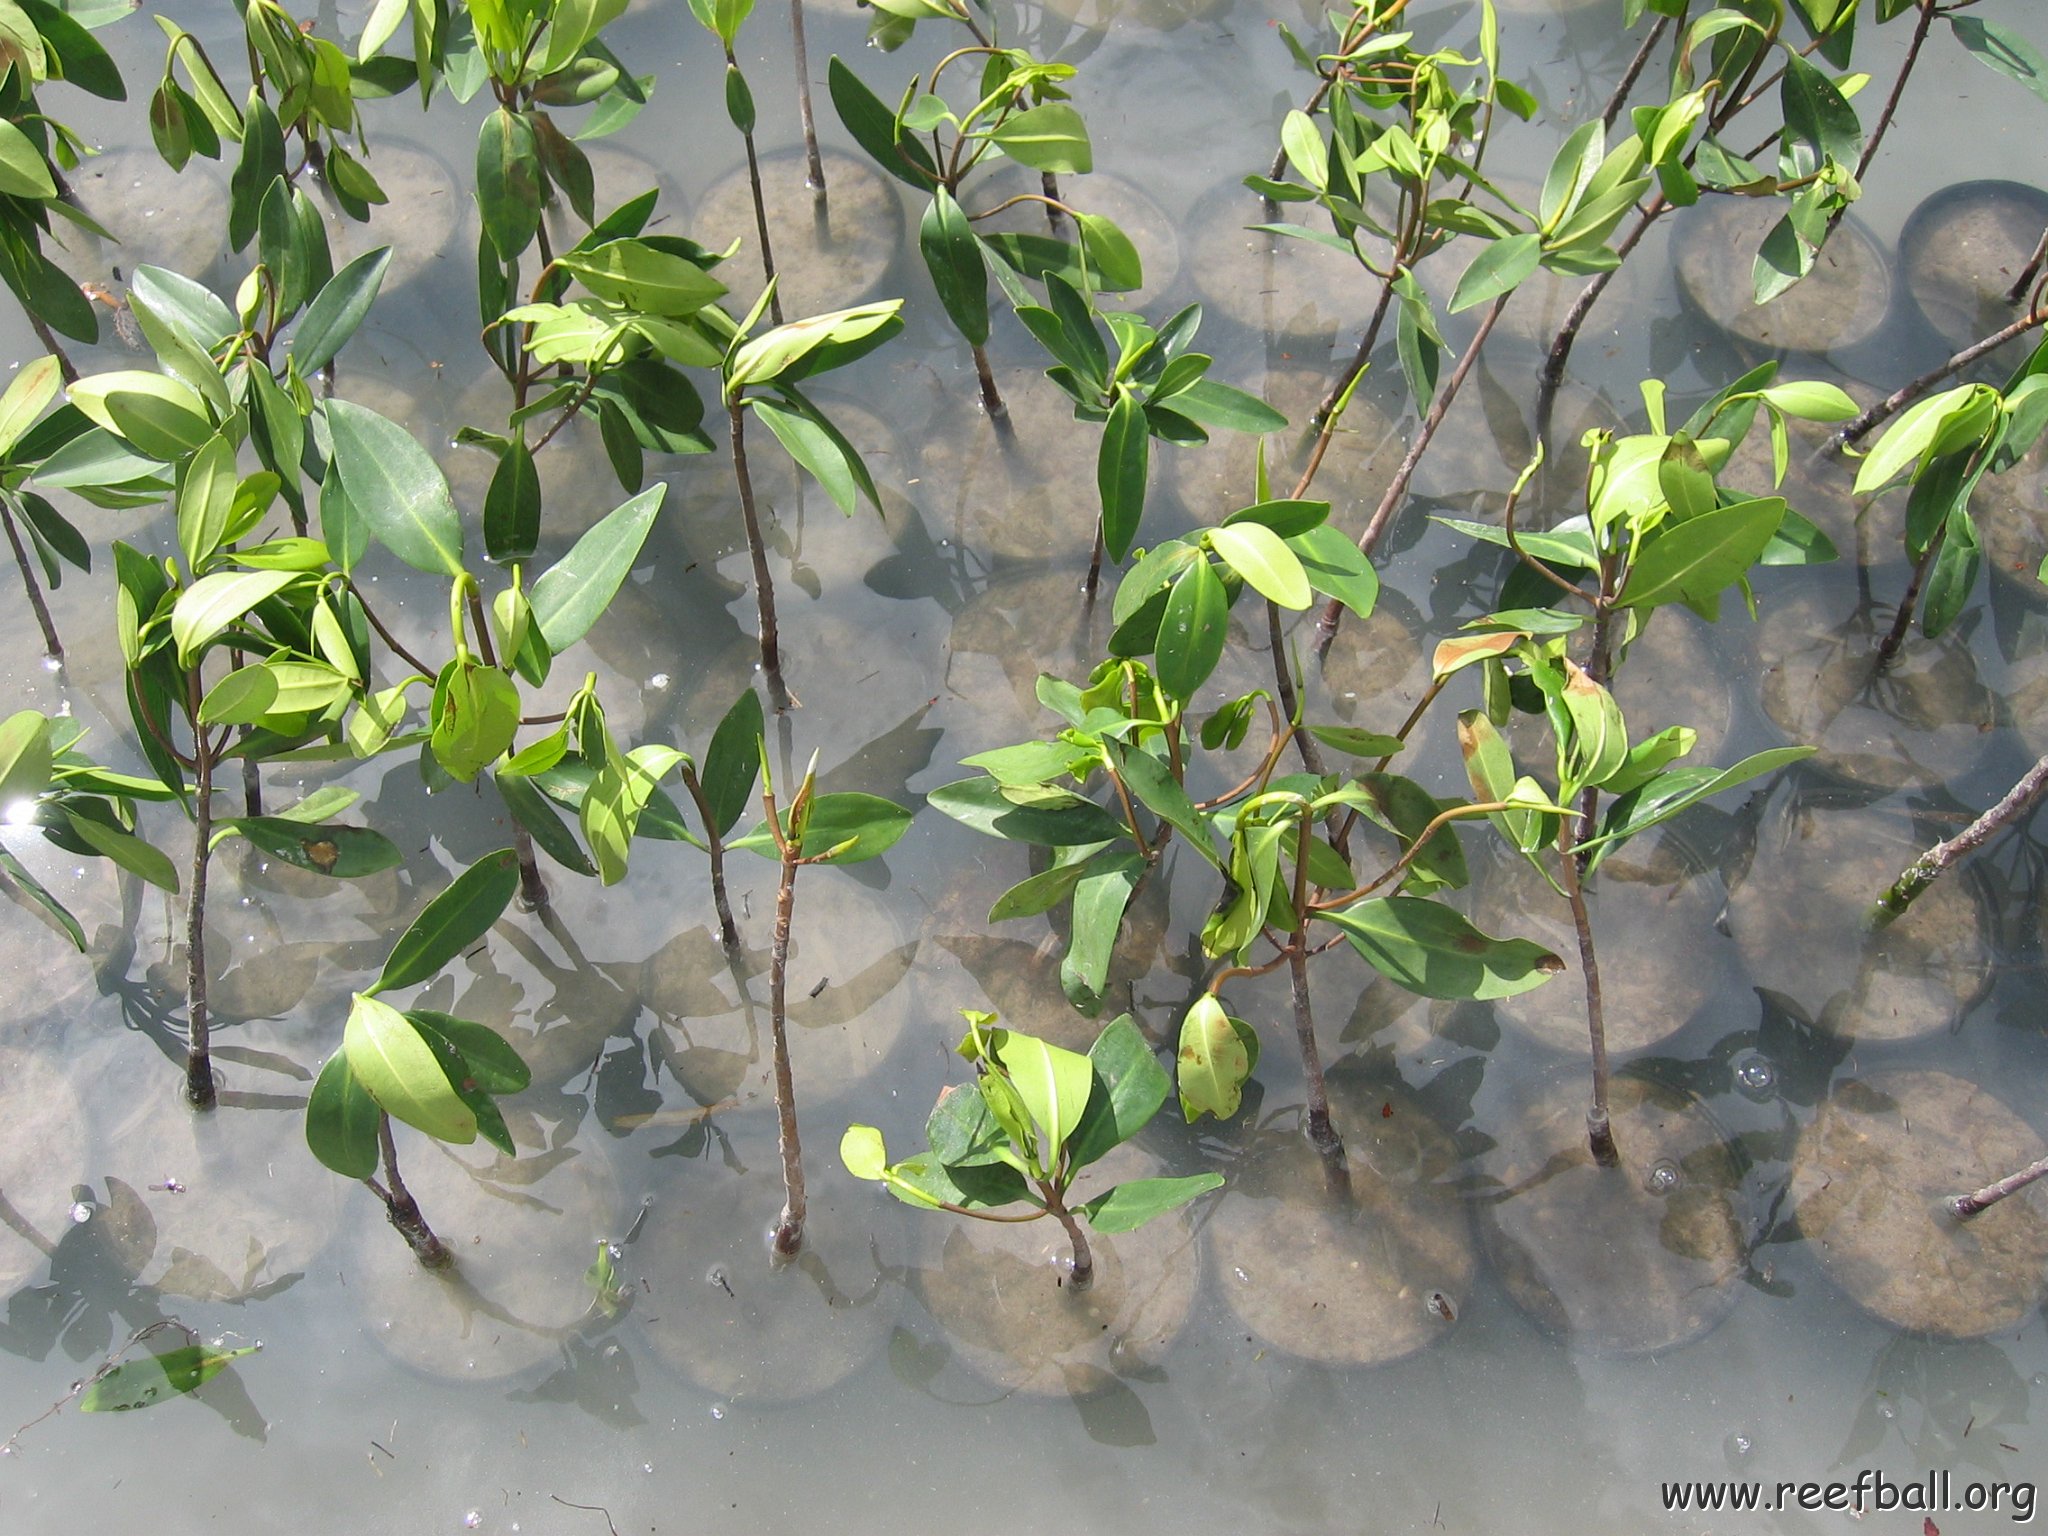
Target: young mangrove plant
<point x="45" y="42"/>
<point x="1941" y="449"/>
<point x="813" y="829"/>
<point x="723" y="20"/>
<point x="434" y="1072"/>
<point x="1657" y="530"/>
<point x="56" y="540"/>
<point x="1035" y="1119"/>
<point x="1020" y="113"/>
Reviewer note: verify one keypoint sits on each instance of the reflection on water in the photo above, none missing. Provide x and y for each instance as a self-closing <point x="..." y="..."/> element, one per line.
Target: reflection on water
<point x="1537" y="1378"/>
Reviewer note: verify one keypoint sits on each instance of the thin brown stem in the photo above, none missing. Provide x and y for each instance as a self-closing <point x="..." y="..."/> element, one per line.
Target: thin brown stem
<point x="1049" y="184"/>
<point x="789" y="1226"/>
<point x="51" y="345"/>
<point x="1991" y="1194"/>
<point x="1575" y="318"/>
<point x="401" y="1210"/>
<point x="1906" y="394"/>
<point x="2029" y="272"/>
<point x="760" y="209"/>
<point x="814" y="165"/>
<point x="392" y="641"/>
<point x="1326" y="408"/>
<point x="1902" y="624"/>
<point x="1629" y="76"/>
<point x="1928" y="11"/>
<point x="1937" y="861"/>
<point x="714" y="845"/>
<point x="991" y="397"/>
<point x="198" y="1048"/>
<point x="52" y="646"/>
<point x="1326" y="626"/>
<point x="1083" y="1274"/>
<point x="1599" y="1128"/>
<point x="764" y="584"/>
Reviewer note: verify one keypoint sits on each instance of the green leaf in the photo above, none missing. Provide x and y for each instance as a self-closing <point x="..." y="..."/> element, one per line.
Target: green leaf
<point x="1358" y="743"/>
<point x="953" y="257"/>
<point x="493" y="1066"/>
<point x="1136" y="1201"/>
<point x="2004" y="50"/>
<point x="845" y="333"/>
<point x="1677" y="790"/>
<point x="820" y="453"/>
<point x="1571" y="168"/>
<point x="403" y="1073"/>
<point x="28" y="395"/>
<point x="205" y="499"/>
<point x="1336" y="567"/>
<point x="214" y="602"/>
<point x="642" y="277"/>
<point x="1113" y="261"/>
<point x="1263" y="559"/>
<point x="732" y="763"/>
<point x="475" y="717"/>
<point x="1427" y="948"/>
<point x="1098" y="914"/>
<point x="157" y="1378"/>
<point x="578" y="588"/>
<point x="1192" y="634"/>
<point x="860" y="826"/>
<point x="1694" y="561"/>
<point x="530" y="808"/>
<point x="512" y="505"/>
<point x="979" y="803"/>
<point x="1050" y="137"/>
<point x="508" y="181"/>
<point x="452" y="921"/>
<point x="1303" y="144"/>
<point x="873" y="126"/>
<point x="1160" y="793"/>
<point x="397" y="488"/>
<point x="23" y="171"/>
<point x="1130" y="1085"/>
<point x="341" y="1121"/>
<point x="26" y="756"/>
<point x="863" y="1152"/>
<point x="1053" y="1083"/>
<point x="1817" y="119"/>
<point x="346" y="853"/>
<point x="338" y="309"/>
<point x="1120" y="469"/>
<point x="1501" y="267"/>
<point x="1038" y="893"/>
<point x="1215" y="1057"/>
<point x="1227" y="408"/>
<point x="163" y="417"/>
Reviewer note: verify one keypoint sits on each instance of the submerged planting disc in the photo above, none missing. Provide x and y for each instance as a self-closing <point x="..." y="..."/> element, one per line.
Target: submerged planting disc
<point x="236" y="1205"/>
<point x="1361" y="1277"/>
<point x="823" y="263"/>
<point x="159" y="217"/>
<point x="1845" y="299"/>
<point x="1964" y="248"/>
<point x="848" y="993"/>
<point x="1276" y="285"/>
<point x="1640" y="1257"/>
<point x="1020" y="488"/>
<point x="1652" y="905"/>
<point x="524" y="1233"/>
<point x="1017" y="626"/>
<point x="1216" y="478"/>
<point x="1000" y="1291"/>
<point x="1869" y="1180"/>
<point x="53" y="976"/>
<point x="738" y="1322"/>
<point x="424" y="211"/>
<point x="1800" y="920"/>
<point x="1921" y="722"/>
<point x="42" y="1155"/>
<point x="1490" y="434"/>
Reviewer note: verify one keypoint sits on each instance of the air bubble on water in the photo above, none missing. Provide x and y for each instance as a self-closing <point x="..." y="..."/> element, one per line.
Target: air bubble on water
<point x="659" y="680"/>
<point x="1663" y="1177"/>
<point x="2040" y="1379"/>
<point x="1755" y="1075"/>
<point x="472" y="1520"/>
<point x="1887" y="1411"/>
<point x="81" y="1212"/>
<point x="53" y="663"/>
<point x="1242" y="1277"/>
<point x="612" y="1351"/>
<point x="647" y="1467"/>
<point x="718" y="1410"/>
<point x="1739" y="1445"/>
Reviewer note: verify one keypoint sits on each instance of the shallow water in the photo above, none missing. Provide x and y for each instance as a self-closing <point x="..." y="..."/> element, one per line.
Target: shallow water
<point x="912" y="643"/>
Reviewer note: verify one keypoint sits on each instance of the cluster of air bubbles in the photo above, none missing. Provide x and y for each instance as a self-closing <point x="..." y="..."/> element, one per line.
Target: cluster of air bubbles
<point x="1738" y="1445"/>
<point x="1663" y="1177"/>
<point x="472" y="1520"/>
<point x="1755" y="1076"/>
<point x="81" y="1211"/>
<point x="659" y="680"/>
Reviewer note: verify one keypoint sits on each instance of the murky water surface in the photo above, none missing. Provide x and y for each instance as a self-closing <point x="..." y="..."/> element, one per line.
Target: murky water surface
<point x="1464" y="1345"/>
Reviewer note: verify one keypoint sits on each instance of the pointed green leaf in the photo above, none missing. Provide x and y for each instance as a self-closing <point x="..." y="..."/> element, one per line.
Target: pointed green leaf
<point x="403" y="1073"/>
<point x="1429" y="949"/>
<point x="397" y="488"/>
<point x="577" y="588"/>
<point x="452" y="921"/>
<point x="1136" y="1201"/>
<point x="341" y="1121"/>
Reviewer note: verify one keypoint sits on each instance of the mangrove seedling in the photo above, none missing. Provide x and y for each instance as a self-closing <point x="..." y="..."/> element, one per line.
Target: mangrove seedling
<point x="842" y="828"/>
<point x="434" y="1072"/>
<point x="1020" y="113"/>
<point x="1034" y="1120"/>
<point x="57" y="542"/>
<point x="1657" y="531"/>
